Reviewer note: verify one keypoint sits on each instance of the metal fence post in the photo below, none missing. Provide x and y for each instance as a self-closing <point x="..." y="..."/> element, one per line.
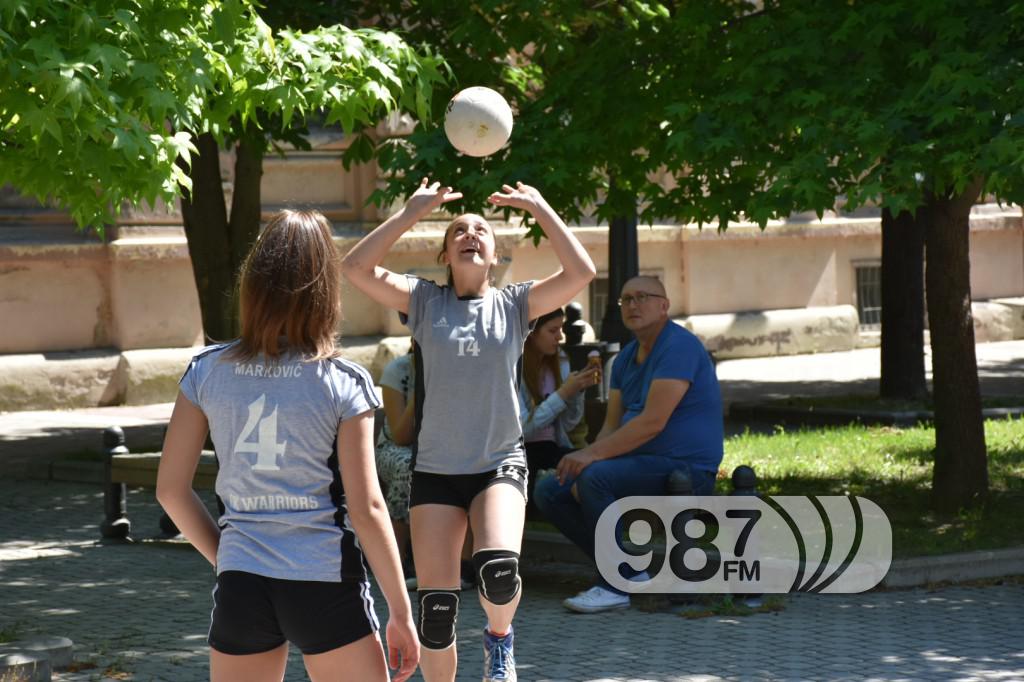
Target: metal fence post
<point x="115" y="523"/>
<point x="744" y="481"/>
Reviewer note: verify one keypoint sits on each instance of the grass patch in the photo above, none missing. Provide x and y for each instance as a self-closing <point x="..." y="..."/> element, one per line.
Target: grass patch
<point x="11" y="632"/>
<point x="893" y="468"/>
<point x="727" y="606"/>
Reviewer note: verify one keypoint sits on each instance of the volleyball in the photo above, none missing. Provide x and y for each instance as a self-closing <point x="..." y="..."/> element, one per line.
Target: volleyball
<point x="478" y="121"/>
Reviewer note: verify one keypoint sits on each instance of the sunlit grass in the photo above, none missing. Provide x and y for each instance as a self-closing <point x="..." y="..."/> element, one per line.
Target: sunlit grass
<point x="892" y="467"/>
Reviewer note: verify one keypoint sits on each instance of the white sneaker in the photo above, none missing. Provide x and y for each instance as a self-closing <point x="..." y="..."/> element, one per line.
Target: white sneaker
<point x="596" y="600"/>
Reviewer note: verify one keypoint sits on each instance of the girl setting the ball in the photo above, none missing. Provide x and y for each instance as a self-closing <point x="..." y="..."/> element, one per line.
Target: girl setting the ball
<point x="468" y="460"/>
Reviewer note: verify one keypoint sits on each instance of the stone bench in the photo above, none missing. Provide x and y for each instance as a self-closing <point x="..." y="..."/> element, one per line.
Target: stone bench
<point x="140" y="470"/>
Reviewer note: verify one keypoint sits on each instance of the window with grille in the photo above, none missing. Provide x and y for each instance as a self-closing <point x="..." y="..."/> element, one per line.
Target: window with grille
<point x="869" y="295"/>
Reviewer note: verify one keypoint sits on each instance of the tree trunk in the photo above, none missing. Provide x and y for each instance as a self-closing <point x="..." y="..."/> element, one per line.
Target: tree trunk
<point x="216" y="245"/>
<point x="960" y="477"/>
<point x="206" y="229"/>
<point x="245" y="206"/>
<point x="903" y="239"/>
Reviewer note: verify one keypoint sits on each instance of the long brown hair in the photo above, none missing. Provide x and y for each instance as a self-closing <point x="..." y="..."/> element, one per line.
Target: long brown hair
<point x="534" y="363"/>
<point x="290" y="289"/>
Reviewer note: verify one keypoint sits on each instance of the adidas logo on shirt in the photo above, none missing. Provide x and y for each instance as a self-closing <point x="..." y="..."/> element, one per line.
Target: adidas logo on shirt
<point x="443" y="322"/>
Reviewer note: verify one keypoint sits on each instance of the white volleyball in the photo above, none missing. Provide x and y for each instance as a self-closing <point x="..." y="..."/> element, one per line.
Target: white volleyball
<point x="478" y="121"/>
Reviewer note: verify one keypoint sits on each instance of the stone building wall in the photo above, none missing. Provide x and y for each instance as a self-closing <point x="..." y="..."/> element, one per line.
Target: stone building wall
<point x="791" y="288"/>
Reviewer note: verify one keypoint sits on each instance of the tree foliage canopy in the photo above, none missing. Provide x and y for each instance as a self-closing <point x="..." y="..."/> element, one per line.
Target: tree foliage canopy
<point x="879" y="101"/>
<point x="757" y="110"/>
<point x="577" y="77"/>
<point x="98" y="100"/>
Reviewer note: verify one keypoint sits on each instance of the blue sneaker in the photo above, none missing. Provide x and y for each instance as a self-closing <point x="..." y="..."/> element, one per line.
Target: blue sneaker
<point x="499" y="663"/>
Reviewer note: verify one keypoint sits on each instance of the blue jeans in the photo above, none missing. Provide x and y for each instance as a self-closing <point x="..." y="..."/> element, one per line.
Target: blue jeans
<point x="602" y="483"/>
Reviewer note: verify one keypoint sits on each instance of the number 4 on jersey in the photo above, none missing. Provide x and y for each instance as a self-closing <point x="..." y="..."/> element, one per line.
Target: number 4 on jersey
<point x="266" y="448"/>
<point x="468" y="346"/>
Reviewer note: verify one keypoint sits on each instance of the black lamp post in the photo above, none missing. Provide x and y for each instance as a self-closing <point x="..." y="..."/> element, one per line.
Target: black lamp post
<point x="623" y="265"/>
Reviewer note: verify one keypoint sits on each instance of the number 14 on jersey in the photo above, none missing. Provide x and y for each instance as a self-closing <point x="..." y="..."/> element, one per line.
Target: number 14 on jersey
<point x="468" y="347"/>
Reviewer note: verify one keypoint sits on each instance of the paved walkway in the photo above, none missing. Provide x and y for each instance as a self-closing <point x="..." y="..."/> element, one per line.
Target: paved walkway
<point x="140" y="612"/>
<point x="1000" y="370"/>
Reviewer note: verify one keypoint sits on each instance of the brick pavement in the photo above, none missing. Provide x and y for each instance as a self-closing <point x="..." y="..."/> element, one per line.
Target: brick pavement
<point x="140" y="612"/>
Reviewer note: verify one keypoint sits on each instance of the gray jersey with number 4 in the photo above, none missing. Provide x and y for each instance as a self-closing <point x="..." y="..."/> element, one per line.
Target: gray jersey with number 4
<point x="471" y="350"/>
<point x="274" y="425"/>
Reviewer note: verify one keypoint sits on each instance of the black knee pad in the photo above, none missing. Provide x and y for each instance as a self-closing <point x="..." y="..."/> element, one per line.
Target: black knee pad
<point x="439" y="610"/>
<point x="497" y="574"/>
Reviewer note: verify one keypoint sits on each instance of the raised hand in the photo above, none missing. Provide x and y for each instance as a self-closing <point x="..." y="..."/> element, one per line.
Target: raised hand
<point x="429" y="196"/>
<point x="521" y="196"/>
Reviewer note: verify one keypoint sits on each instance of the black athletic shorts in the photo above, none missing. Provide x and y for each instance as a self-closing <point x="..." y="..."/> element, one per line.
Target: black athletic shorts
<point x="458" y="490"/>
<point x="253" y="613"/>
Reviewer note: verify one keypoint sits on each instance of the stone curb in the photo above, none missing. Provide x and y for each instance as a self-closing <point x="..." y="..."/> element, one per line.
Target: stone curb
<point x="817" y="416"/>
<point x="111" y="377"/>
<point x="787" y="331"/>
<point x="955" y="568"/>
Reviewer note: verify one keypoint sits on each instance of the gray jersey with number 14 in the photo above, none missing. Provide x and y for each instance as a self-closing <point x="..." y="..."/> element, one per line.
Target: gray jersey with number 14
<point x="471" y="349"/>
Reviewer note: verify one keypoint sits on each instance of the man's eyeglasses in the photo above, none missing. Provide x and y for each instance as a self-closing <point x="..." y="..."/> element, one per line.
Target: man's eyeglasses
<point x="639" y="298"/>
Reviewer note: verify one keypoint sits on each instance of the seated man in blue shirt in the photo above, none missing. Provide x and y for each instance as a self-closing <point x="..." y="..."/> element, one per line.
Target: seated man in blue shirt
<point x="664" y="413"/>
